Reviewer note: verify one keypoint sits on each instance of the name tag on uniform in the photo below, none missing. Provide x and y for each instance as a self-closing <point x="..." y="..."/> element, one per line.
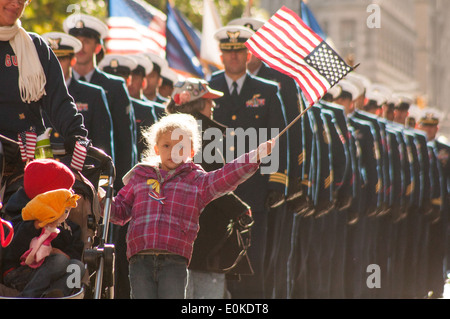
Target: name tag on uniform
<point x="82" y="106"/>
<point x="255" y="101"/>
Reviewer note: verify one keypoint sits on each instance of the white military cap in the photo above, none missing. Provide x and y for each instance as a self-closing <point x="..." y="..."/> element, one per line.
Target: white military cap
<point x="349" y="87"/>
<point x="169" y="74"/>
<point x="233" y="37"/>
<point x="157" y="60"/>
<point x="85" y="25"/>
<point x="358" y="81"/>
<point x="335" y="91"/>
<point x="399" y="98"/>
<point x="379" y="93"/>
<point x="144" y="64"/>
<point x="381" y="89"/>
<point x="117" y="64"/>
<point x="62" y="44"/>
<point x="379" y="98"/>
<point x="251" y="23"/>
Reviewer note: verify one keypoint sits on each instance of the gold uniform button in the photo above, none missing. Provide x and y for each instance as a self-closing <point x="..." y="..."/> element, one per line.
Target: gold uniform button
<point x="232" y="148"/>
<point x="233" y="117"/>
<point x="256" y="116"/>
<point x="56" y="134"/>
<point x="232" y="133"/>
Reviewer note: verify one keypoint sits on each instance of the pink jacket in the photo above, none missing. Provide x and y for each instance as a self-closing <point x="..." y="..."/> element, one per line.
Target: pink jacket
<point x="167" y="217"/>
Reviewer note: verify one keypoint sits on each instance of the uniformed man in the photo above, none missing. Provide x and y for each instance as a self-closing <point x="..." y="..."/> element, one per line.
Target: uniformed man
<point x="169" y="78"/>
<point x="136" y="85"/>
<point x="154" y="79"/>
<point x="253" y="105"/>
<point x="345" y="98"/>
<point x="365" y="176"/>
<point x="401" y="108"/>
<point x="362" y="84"/>
<point x="429" y="122"/>
<point x="388" y="111"/>
<point x="144" y="111"/>
<point x="138" y="76"/>
<point x="375" y="102"/>
<point x="290" y="98"/>
<point x="90" y="31"/>
<point x="438" y="248"/>
<point x="90" y="99"/>
<point x="289" y="95"/>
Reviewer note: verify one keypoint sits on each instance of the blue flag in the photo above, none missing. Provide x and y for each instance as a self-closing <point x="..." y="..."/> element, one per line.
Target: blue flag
<point x="310" y="20"/>
<point x="183" y="43"/>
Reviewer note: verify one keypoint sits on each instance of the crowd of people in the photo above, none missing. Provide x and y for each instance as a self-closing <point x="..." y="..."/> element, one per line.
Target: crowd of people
<point x="229" y="208"/>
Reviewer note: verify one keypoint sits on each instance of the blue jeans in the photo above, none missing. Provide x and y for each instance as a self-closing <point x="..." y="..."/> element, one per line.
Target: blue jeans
<point x="158" y="276"/>
<point x="51" y="275"/>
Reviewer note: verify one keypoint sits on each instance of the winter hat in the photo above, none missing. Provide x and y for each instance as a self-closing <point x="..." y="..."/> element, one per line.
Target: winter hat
<point x="44" y="175"/>
<point x="49" y="206"/>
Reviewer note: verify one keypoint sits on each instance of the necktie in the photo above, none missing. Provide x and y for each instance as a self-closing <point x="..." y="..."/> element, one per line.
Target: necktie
<point x="234" y="93"/>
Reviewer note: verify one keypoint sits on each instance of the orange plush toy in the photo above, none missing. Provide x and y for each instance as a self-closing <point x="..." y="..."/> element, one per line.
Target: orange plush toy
<point x="49" y="210"/>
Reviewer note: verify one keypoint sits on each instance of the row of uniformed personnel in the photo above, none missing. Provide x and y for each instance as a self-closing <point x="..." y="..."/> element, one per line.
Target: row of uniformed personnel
<point x="365" y="167"/>
<point x="378" y="189"/>
<point x="342" y="159"/>
<point x="373" y="190"/>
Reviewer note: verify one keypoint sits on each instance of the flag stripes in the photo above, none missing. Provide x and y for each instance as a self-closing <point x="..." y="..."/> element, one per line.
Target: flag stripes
<point x="27" y="144"/>
<point x="78" y="156"/>
<point x="135" y="26"/>
<point x="286" y="43"/>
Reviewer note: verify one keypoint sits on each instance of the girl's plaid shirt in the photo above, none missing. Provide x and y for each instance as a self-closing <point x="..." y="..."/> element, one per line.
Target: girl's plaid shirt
<point x="165" y="216"/>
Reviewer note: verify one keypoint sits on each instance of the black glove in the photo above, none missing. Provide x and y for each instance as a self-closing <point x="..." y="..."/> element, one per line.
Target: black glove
<point x="274" y="199"/>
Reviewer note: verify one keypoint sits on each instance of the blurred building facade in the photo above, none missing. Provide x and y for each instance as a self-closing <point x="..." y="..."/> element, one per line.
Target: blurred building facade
<point x="402" y="44"/>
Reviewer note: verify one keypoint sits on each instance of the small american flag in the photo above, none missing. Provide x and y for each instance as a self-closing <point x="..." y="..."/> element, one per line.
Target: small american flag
<point x="288" y="45"/>
<point x="78" y="156"/>
<point x="27" y="144"/>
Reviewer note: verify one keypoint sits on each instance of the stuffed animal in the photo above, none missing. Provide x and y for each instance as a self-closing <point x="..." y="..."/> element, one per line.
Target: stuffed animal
<point x="49" y="210"/>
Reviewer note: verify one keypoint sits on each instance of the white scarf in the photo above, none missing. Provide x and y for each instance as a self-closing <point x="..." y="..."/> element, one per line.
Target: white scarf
<point x="32" y="78"/>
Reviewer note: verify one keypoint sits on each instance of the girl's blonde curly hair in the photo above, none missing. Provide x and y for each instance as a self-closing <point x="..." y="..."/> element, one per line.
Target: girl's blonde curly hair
<point x="186" y="123"/>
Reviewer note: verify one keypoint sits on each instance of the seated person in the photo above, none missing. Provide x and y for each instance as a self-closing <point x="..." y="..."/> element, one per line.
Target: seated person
<point x="36" y="262"/>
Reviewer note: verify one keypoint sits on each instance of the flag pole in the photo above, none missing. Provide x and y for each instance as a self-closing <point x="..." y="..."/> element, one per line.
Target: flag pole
<point x="303" y="110"/>
<point x="294" y="120"/>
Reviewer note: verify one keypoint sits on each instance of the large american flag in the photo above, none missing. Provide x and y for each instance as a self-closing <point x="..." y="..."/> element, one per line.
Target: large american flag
<point x="288" y="45"/>
<point x="135" y="26"/>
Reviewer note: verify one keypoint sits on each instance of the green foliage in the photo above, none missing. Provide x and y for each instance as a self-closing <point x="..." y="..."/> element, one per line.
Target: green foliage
<point x="43" y="16"/>
<point x="48" y="15"/>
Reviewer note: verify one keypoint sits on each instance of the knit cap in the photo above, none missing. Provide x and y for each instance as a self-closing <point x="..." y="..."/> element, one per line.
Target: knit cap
<point x="49" y="206"/>
<point x="44" y="175"/>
